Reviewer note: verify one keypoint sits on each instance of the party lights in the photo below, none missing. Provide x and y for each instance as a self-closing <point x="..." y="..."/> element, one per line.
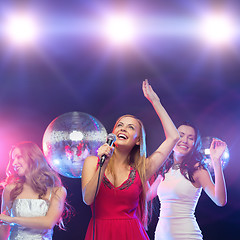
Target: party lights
<point x="217" y="29"/>
<point x="21" y="29"/>
<point x="206" y="143"/>
<point x="119" y="29"/>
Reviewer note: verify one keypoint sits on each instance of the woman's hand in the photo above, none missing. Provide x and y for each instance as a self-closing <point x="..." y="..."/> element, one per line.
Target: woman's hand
<point x="217" y="149"/>
<point x="172" y="136"/>
<point x="217" y="192"/>
<point x="92" y="174"/>
<point x="106" y="150"/>
<point x="148" y="92"/>
<point x="5" y="218"/>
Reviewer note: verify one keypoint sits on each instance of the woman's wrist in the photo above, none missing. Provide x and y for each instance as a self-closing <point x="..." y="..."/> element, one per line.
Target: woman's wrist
<point x="155" y="101"/>
<point x="7" y="219"/>
<point x="217" y="163"/>
<point x="12" y="220"/>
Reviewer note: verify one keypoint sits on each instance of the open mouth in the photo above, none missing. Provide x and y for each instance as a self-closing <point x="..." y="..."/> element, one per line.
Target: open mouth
<point x="183" y="147"/>
<point x="16" y="169"/>
<point x="122" y="136"/>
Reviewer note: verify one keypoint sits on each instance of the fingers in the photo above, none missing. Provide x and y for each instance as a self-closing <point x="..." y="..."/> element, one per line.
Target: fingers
<point x="105" y="149"/>
<point x="217" y="143"/>
<point x="212" y="146"/>
<point x="146" y="83"/>
<point x="146" y="87"/>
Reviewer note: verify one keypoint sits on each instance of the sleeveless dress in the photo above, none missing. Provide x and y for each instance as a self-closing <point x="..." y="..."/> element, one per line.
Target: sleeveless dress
<point x="115" y="211"/>
<point x="29" y="208"/>
<point x="178" y="198"/>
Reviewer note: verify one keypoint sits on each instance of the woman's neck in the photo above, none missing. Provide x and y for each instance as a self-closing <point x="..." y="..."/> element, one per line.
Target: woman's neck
<point x="177" y="159"/>
<point x="27" y="181"/>
<point x="121" y="157"/>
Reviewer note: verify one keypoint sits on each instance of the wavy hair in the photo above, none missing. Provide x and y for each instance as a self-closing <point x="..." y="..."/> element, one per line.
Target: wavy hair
<point x="192" y="161"/>
<point x="41" y="175"/>
<point x="137" y="159"/>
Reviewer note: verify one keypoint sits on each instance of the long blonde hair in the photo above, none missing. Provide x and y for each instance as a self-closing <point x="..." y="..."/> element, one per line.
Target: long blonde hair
<point x="137" y="159"/>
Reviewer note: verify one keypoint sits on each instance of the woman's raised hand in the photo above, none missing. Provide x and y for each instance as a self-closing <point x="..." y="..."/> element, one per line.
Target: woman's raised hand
<point x="217" y="149"/>
<point x="148" y="92"/>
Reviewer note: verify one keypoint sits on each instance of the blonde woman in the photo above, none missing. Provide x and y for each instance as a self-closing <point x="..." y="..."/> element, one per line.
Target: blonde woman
<point x="120" y="205"/>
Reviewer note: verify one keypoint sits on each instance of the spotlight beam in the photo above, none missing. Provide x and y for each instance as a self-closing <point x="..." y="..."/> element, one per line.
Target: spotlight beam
<point x="21" y="29"/>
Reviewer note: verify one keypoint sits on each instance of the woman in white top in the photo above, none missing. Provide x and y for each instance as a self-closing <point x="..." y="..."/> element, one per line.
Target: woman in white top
<point x="33" y="199"/>
<point x="180" y="182"/>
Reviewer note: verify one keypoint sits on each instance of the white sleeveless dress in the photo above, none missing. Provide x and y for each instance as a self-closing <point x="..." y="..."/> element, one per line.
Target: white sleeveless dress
<point x="29" y="208"/>
<point x="178" y="198"/>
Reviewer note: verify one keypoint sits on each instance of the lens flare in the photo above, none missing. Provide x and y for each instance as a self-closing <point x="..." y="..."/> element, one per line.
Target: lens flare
<point x="21" y="29"/>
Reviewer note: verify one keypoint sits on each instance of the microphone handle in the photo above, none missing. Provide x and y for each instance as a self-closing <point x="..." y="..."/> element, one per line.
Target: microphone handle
<point x="103" y="158"/>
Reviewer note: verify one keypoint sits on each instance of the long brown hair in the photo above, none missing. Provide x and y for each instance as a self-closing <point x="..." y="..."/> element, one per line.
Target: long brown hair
<point x="137" y="159"/>
<point x="41" y="175"/>
<point x="192" y="161"/>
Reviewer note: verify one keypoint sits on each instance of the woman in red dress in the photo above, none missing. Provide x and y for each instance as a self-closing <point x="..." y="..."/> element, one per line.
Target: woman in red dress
<point x="119" y="209"/>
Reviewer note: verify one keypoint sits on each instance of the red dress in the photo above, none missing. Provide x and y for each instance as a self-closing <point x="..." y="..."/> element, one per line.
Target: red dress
<point x="115" y="211"/>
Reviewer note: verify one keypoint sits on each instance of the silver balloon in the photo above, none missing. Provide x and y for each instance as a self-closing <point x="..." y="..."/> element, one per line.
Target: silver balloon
<point x="69" y="139"/>
<point x="205" y="150"/>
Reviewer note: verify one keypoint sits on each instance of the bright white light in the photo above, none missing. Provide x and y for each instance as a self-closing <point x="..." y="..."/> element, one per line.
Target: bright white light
<point x="76" y="136"/>
<point x="207" y="151"/>
<point x="119" y="29"/>
<point x="45" y="148"/>
<point x="21" y="29"/>
<point x="56" y="161"/>
<point x="226" y="155"/>
<point x="217" y="29"/>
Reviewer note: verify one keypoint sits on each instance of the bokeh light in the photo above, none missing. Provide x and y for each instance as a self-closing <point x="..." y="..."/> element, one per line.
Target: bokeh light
<point x="206" y="143"/>
<point x="119" y="29"/>
<point x="217" y="29"/>
<point x="21" y="28"/>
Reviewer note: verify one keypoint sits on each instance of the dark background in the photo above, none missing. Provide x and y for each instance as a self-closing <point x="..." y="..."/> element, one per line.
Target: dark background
<point x="71" y="67"/>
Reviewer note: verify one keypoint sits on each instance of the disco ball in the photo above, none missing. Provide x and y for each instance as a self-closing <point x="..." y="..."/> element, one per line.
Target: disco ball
<point x="69" y="139"/>
<point x="205" y="150"/>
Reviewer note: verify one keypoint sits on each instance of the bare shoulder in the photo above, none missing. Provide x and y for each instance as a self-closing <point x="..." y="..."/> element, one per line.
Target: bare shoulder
<point x="9" y="188"/>
<point x="200" y="174"/>
<point x="60" y="191"/>
<point x="90" y="162"/>
<point x="6" y="200"/>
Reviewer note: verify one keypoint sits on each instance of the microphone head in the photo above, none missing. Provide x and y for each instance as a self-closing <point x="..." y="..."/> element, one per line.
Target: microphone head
<point x="111" y="137"/>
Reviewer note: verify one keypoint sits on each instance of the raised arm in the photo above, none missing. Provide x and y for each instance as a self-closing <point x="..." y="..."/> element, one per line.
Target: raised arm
<point x="44" y="222"/>
<point x="90" y="173"/>
<point x="217" y="192"/>
<point x="171" y="133"/>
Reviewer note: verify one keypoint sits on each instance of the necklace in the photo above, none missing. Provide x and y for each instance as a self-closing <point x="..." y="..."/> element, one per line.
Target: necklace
<point x="176" y="166"/>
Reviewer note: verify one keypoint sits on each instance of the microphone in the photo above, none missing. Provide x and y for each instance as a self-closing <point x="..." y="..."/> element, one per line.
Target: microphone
<point x="111" y="138"/>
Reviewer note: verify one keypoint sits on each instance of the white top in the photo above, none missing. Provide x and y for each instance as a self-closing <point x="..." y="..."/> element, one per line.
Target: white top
<point x="29" y="208"/>
<point x="178" y="198"/>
